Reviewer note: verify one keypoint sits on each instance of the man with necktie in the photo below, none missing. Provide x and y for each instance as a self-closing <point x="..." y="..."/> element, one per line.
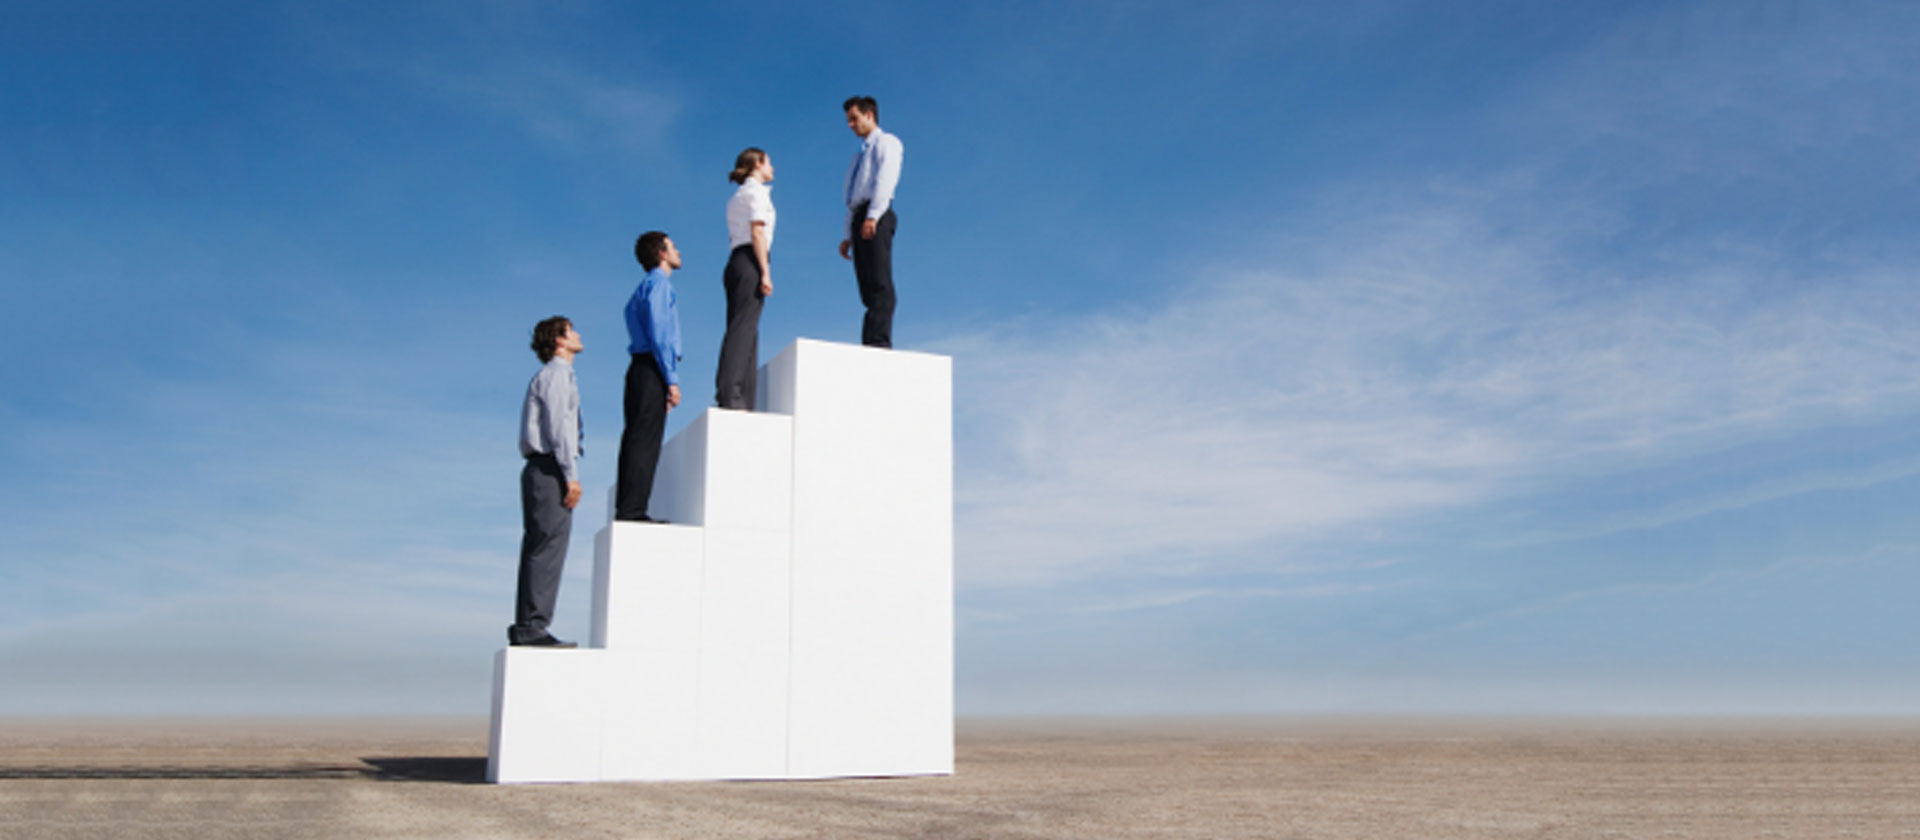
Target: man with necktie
<point x="550" y="481"/>
<point x="870" y="221"/>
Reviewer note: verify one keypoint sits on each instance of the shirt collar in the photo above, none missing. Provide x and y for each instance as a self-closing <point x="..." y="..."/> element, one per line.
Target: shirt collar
<point x="871" y="138"/>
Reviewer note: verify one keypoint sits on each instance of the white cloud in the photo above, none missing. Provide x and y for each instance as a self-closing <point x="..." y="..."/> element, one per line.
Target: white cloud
<point x="1411" y="346"/>
<point x="559" y="102"/>
<point x="1429" y="361"/>
<point x="1177" y="597"/>
<point x="520" y="62"/>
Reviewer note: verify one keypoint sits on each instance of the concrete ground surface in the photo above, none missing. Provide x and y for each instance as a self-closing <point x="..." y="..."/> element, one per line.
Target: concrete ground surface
<point x="1027" y="778"/>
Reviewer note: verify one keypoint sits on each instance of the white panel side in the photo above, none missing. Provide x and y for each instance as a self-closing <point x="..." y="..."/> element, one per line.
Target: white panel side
<point x="651" y="697"/>
<point x="547" y="724"/>
<point x="776" y="382"/>
<point x="744" y="655"/>
<point x="679" y="483"/>
<point x="872" y="579"/>
<point x="602" y="567"/>
<point x="651" y="587"/>
<point x="749" y="471"/>
<point x="493" y="728"/>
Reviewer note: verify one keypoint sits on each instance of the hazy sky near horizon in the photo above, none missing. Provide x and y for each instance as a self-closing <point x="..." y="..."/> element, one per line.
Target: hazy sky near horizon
<point x="1387" y="357"/>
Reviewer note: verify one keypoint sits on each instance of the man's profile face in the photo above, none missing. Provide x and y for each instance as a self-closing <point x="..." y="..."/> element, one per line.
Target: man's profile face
<point x="670" y="257"/>
<point x="860" y="121"/>
<point x="571" y="341"/>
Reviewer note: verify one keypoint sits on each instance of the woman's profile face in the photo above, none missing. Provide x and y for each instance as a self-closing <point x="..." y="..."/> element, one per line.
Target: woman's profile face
<point x="765" y="169"/>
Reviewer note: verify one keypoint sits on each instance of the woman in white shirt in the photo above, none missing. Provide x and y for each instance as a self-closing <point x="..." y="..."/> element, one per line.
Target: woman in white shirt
<point x="748" y="277"/>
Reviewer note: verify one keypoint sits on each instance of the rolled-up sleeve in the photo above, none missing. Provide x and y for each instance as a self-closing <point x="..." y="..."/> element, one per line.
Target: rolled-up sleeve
<point x="660" y="322"/>
<point x="887" y="154"/>
<point x="566" y="421"/>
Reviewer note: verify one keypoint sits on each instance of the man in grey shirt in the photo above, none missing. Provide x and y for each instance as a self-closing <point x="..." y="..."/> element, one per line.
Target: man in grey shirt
<point x="550" y="482"/>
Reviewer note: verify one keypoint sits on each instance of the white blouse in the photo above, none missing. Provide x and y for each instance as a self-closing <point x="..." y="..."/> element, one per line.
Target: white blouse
<point x="752" y="202"/>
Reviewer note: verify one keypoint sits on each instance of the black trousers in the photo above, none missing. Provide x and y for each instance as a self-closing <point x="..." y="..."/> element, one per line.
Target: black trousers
<point x="646" y="412"/>
<point x="543" y="549"/>
<point x="873" y="267"/>
<point x="734" y="382"/>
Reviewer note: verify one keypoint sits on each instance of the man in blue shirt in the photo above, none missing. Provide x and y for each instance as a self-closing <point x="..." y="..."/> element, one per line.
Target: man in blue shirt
<point x="871" y="179"/>
<point x="653" y="378"/>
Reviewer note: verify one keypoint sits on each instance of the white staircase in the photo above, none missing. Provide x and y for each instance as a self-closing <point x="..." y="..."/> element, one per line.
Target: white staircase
<point x="797" y="619"/>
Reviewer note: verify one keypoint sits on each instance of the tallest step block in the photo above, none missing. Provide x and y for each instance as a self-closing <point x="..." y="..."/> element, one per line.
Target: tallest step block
<point x="872" y="577"/>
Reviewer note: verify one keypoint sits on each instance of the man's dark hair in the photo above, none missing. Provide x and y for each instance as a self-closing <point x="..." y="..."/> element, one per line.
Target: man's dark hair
<point x="649" y="248"/>
<point x="546" y="336"/>
<point x="864" y="103"/>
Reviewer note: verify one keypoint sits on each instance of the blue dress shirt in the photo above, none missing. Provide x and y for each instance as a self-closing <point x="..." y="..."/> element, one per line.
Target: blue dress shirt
<point x="874" y="174"/>
<point x="653" y="323"/>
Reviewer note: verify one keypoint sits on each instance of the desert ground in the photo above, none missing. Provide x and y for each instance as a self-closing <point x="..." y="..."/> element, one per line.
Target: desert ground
<point x="1016" y="778"/>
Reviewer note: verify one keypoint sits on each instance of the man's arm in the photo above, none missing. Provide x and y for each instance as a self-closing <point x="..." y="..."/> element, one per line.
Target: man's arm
<point x="559" y="408"/>
<point x="563" y="406"/>
<point x="847" y="226"/>
<point x="888" y="151"/>
<point x="659" y="314"/>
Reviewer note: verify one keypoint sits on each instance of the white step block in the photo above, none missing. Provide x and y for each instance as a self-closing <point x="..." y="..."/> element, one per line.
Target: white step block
<point x="546" y="715"/>
<point x="648" y="728"/>
<point x="872" y="579"/>
<point x="744" y="655"/>
<point x="727" y="469"/>
<point x="680" y="480"/>
<point x="646" y="586"/>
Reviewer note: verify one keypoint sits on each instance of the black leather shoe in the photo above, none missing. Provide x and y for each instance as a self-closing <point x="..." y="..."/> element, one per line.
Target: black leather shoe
<point x="647" y="519"/>
<point x="546" y="641"/>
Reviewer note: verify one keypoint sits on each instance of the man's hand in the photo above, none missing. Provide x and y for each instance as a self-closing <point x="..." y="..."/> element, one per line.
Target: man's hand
<point x="766" y="283"/>
<point x="673" y="396"/>
<point x="846" y="249"/>
<point x="866" y="229"/>
<point x="573" y="495"/>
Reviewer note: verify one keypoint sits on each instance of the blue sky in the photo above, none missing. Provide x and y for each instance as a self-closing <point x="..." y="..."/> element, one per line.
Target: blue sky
<point x="1393" y="357"/>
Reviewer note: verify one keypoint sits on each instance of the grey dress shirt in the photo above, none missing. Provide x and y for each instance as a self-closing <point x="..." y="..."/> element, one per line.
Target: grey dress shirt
<point x="550" y="418"/>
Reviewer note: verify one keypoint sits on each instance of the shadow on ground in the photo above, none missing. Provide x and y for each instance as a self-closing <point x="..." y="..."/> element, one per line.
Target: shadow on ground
<point x="177" y="771"/>
<point x="458" y="770"/>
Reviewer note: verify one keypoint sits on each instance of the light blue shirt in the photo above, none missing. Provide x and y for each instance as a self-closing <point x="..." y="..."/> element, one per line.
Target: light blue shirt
<point x="550" y="417"/>
<point x="653" y="323"/>
<point x="873" y="175"/>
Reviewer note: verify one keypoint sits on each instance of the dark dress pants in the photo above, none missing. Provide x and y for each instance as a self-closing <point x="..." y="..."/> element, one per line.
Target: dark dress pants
<point x="646" y="412"/>
<point x="735" y="381"/>
<point x="873" y="267"/>
<point x="543" y="549"/>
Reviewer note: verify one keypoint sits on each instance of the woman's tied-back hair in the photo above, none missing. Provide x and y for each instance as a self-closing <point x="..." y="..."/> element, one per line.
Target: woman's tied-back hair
<point x="546" y="336"/>
<point x="744" y="165"/>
